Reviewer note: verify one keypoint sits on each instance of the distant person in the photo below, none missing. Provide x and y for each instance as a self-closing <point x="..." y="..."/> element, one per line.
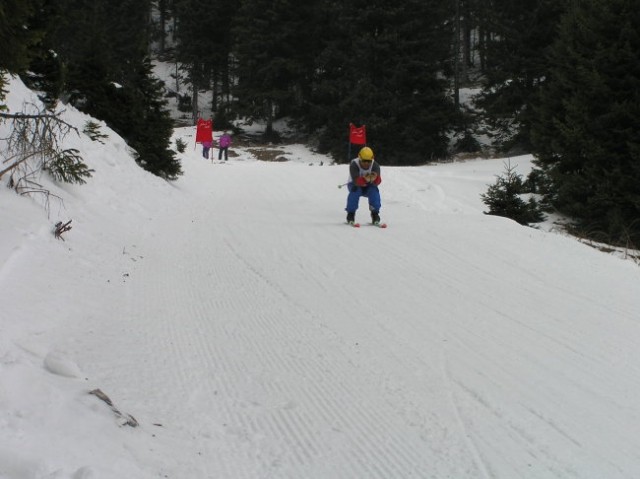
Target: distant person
<point x="223" y="144"/>
<point x="206" y="146"/>
<point x="364" y="178"/>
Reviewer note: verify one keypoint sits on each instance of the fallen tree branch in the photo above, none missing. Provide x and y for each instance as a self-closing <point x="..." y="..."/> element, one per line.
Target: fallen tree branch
<point x="61" y="228"/>
<point x="128" y="418"/>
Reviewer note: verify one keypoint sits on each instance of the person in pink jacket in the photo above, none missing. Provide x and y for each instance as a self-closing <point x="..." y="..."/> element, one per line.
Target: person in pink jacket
<point x="223" y="144"/>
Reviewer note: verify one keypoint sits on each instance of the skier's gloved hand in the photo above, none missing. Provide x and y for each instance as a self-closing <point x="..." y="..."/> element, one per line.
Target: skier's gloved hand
<point x="361" y="181"/>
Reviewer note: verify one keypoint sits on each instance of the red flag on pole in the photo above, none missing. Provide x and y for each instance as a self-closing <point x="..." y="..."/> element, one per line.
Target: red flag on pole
<point x="204" y="130"/>
<point x="357" y="136"/>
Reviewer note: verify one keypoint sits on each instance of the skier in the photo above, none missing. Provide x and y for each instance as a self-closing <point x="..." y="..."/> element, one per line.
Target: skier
<point x="224" y="144"/>
<point x="363" y="181"/>
<point x="206" y="146"/>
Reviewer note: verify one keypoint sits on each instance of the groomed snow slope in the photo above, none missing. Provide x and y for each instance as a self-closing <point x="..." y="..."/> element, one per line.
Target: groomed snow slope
<point x="253" y="335"/>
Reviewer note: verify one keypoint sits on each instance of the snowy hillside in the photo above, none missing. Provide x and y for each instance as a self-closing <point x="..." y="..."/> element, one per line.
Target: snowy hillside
<point x="251" y="334"/>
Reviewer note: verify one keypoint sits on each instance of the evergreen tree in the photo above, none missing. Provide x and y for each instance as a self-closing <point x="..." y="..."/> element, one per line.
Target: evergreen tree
<point x="504" y="199"/>
<point x="151" y="128"/>
<point x="103" y="46"/>
<point x="586" y="132"/>
<point x="270" y="45"/>
<point x="516" y="38"/>
<point x="15" y="37"/>
<point x="334" y="67"/>
<point x="195" y="47"/>
<point x="47" y="72"/>
<point x="381" y="66"/>
<point x="204" y="50"/>
<point x="222" y="43"/>
<point x="161" y="33"/>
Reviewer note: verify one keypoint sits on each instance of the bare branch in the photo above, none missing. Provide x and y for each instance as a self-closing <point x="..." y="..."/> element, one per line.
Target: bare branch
<point x="34" y="145"/>
<point x="61" y="228"/>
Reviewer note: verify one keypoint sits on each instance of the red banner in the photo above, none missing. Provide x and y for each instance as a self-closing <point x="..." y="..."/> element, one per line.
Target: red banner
<point x="204" y="130"/>
<point x="357" y="136"/>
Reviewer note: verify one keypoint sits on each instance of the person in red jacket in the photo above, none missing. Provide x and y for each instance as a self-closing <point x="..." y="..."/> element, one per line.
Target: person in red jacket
<point x="364" y="178"/>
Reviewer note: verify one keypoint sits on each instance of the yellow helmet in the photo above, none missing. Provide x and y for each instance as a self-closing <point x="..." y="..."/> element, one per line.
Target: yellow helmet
<point x="366" y="154"/>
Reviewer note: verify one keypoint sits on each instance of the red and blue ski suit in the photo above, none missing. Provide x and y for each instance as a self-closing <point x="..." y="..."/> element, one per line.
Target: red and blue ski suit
<point x="363" y="182"/>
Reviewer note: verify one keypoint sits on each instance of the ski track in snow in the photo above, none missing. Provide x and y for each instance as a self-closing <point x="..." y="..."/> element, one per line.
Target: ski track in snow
<point x="253" y="335"/>
<point x="245" y="319"/>
<point x="383" y="387"/>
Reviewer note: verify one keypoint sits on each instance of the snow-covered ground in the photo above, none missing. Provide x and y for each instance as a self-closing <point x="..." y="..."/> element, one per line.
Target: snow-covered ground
<point x="252" y="334"/>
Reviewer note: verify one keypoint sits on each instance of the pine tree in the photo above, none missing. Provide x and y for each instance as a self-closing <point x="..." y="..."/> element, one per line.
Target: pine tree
<point x="151" y="137"/>
<point x="103" y="47"/>
<point x="586" y="132"/>
<point x="47" y="72"/>
<point x="504" y="199"/>
<point x="15" y="39"/>
<point x="222" y="43"/>
<point x="204" y="51"/>
<point x="195" y="48"/>
<point x="271" y="48"/>
<point x="380" y="66"/>
<point x="516" y="36"/>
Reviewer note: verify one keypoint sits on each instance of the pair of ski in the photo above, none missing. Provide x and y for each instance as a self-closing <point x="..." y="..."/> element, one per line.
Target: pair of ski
<point x="357" y="225"/>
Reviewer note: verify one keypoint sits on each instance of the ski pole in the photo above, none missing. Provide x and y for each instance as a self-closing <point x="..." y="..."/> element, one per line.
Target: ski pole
<point x="344" y="184"/>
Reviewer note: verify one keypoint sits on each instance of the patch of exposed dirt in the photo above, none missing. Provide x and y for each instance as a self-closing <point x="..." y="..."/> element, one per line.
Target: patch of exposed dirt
<point x="268" y="154"/>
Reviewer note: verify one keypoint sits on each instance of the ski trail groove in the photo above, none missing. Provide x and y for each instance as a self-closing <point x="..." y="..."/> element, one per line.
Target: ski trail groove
<point x="471" y="444"/>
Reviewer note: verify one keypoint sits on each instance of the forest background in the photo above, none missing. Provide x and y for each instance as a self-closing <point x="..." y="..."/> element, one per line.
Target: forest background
<point x="556" y="78"/>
